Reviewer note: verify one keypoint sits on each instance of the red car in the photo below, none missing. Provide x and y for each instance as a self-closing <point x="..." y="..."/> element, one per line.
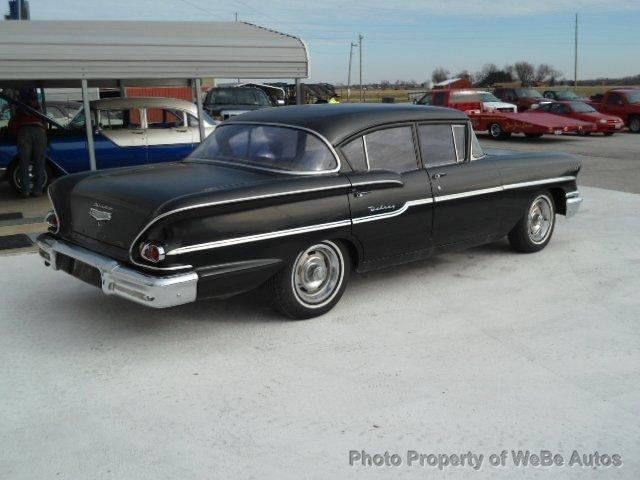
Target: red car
<point x="607" y="124"/>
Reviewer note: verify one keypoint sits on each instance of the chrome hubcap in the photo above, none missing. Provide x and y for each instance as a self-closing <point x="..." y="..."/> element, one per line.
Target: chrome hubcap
<point x="317" y="274"/>
<point x="17" y="177"/>
<point x="540" y="219"/>
<point x="495" y="130"/>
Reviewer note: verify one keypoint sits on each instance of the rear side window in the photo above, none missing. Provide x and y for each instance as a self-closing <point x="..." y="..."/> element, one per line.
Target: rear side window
<point x="355" y="155"/>
<point x="391" y="149"/>
<point x="436" y="142"/>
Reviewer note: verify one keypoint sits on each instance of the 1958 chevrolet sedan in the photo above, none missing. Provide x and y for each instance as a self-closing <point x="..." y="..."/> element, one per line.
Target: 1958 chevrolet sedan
<point x="297" y="198"/>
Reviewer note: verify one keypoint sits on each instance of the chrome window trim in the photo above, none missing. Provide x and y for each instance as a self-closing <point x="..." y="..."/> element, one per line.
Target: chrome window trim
<point x="366" y="151"/>
<point x="294" y="127"/>
<point x="377" y="182"/>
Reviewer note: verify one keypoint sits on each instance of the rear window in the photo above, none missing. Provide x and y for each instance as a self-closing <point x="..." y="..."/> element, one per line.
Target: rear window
<point x="238" y="96"/>
<point x="267" y="147"/>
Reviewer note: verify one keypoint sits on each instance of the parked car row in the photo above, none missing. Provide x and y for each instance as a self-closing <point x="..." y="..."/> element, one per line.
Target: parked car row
<point x="533" y="114"/>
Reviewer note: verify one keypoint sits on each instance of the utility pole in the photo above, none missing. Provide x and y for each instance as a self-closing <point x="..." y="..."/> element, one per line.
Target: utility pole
<point x="353" y="44"/>
<point x="360" y="37"/>
<point x="575" y="57"/>
<point x="236" y="16"/>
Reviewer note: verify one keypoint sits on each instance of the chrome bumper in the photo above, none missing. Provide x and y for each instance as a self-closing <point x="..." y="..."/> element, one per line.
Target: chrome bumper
<point x="122" y="281"/>
<point x="573" y="202"/>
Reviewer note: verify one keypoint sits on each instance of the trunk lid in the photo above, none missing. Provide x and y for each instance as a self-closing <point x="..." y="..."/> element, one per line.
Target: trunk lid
<point x="113" y="206"/>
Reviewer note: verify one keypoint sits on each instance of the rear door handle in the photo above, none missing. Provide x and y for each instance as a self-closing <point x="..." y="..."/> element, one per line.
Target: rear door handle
<point x="439" y="175"/>
<point x="360" y="193"/>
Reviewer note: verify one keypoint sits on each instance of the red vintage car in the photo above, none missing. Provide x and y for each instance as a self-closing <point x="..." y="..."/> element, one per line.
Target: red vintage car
<point x="607" y="124"/>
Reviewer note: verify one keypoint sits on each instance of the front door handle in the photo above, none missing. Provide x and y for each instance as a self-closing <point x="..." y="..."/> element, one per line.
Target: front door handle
<point x="439" y="175"/>
<point x="359" y="193"/>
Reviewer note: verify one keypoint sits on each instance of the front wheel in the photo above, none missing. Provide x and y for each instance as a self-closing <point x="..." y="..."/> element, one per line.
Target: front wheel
<point x="313" y="282"/>
<point x="634" y="124"/>
<point x="495" y="130"/>
<point x="533" y="231"/>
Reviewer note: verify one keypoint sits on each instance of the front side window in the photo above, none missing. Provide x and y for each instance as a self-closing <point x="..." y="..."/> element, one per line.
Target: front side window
<point x="529" y="93"/>
<point x="267" y="147"/>
<point x="391" y="149"/>
<point x="426" y="100"/>
<point x="633" y="97"/>
<point x="355" y="154"/>
<point x="437" y="145"/>
<point x="581" y="107"/>
<point x="614" y="99"/>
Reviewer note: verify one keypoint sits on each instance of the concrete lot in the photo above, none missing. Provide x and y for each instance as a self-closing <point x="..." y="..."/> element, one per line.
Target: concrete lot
<point x="479" y="351"/>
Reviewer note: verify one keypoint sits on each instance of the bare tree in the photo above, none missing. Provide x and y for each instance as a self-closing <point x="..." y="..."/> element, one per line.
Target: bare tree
<point x="439" y="75"/>
<point x="464" y="74"/>
<point x="546" y="73"/>
<point x="525" y="72"/>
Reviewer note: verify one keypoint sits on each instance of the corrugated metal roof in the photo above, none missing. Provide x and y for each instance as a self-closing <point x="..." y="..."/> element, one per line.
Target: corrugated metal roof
<point x="108" y="50"/>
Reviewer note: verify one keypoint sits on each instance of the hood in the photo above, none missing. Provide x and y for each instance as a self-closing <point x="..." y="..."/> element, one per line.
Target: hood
<point x="112" y="206"/>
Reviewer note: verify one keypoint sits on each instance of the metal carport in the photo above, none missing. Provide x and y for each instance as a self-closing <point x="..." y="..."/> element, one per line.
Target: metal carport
<point x="58" y="54"/>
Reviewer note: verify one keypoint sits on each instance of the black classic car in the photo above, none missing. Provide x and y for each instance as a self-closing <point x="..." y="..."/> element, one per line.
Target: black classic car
<point x="297" y="198"/>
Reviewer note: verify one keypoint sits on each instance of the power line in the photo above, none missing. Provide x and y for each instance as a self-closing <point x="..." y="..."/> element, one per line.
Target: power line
<point x="187" y="2"/>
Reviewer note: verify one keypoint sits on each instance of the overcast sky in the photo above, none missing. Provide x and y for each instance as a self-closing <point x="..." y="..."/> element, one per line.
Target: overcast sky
<point x="407" y="39"/>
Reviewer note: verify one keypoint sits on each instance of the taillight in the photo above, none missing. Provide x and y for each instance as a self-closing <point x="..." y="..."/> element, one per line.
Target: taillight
<point x="152" y="252"/>
<point x="52" y="220"/>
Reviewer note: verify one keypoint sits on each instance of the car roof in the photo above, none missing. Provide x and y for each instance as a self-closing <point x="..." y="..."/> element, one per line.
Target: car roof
<point x="338" y="122"/>
<point x="143" y="102"/>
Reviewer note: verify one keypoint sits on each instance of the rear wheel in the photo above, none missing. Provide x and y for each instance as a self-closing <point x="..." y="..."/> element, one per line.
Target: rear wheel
<point x="14" y="175"/>
<point x="533" y="231"/>
<point x="634" y="124"/>
<point x="313" y="283"/>
<point x="495" y="130"/>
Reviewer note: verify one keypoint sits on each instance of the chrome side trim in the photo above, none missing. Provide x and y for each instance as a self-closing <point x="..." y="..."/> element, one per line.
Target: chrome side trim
<point x="539" y="182"/>
<point x="472" y="193"/>
<point x="395" y="213"/>
<point x="258" y="237"/>
<point x="224" y="202"/>
<point x="378" y="182"/>
<point x="341" y="223"/>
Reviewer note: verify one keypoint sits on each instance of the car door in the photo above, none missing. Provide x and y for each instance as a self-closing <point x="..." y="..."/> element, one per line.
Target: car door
<point x="467" y="192"/>
<point x="391" y="204"/>
<point x="119" y="140"/>
<point x="168" y="136"/>
<point x="614" y="104"/>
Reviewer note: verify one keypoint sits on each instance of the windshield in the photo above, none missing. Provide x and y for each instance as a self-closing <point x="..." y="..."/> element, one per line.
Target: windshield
<point x="633" y="97"/>
<point x="581" y="107"/>
<point x="238" y="96"/>
<point x="267" y="148"/>
<point x="489" y="97"/>
<point x="528" y="93"/>
<point x="568" y="95"/>
<point x="469" y="97"/>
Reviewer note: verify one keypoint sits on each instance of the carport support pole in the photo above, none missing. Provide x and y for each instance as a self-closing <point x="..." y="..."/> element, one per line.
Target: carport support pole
<point x="298" y="92"/>
<point x="198" y="84"/>
<point x="87" y="124"/>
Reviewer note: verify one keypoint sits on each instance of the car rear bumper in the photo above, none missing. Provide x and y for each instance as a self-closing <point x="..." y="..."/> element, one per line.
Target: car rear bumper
<point x="573" y="202"/>
<point x="117" y="279"/>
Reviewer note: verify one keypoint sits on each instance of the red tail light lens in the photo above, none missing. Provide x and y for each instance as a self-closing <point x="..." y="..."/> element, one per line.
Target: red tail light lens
<point x="152" y="252"/>
<point x="52" y="220"/>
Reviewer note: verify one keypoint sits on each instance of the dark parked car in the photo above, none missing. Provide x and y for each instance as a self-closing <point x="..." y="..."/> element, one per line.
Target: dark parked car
<point x="562" y="95"/>
<point x="226" y="102"/>
<point x="298" y="198"/>
<point x="524" y="97"/>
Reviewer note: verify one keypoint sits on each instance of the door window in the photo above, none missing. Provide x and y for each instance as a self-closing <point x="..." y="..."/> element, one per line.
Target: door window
<point x="165" y="118"/>
<point x="437" y="144"/>
<point x="355" y="155"/>
<point x="391" y="149"/>
<point x="460" y="139"/>
<point x="128" y="119"/>
<point x="614" y="99"/>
